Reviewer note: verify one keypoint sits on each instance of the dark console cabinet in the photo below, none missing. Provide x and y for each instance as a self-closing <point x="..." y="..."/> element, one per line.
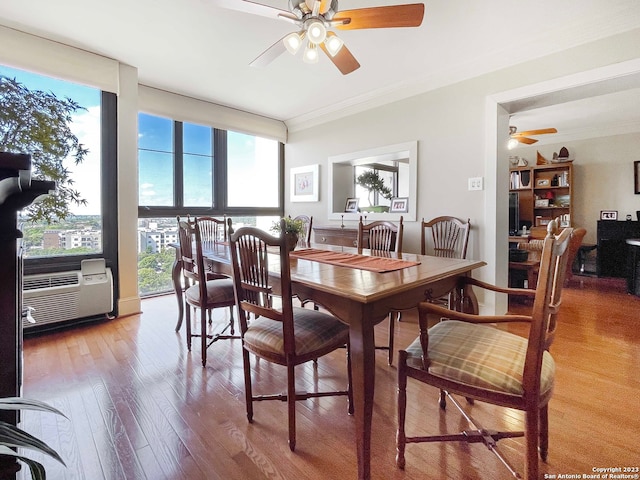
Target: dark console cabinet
<point x="612" y="246"/>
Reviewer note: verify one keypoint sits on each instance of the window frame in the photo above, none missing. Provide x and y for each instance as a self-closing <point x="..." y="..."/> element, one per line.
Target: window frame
<point x="108" y="198"/>
<point x="219" y="172"/>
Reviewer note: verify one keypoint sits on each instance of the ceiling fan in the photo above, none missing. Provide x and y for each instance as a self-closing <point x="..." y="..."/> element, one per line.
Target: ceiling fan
<point x="523" y="137"/>
<point x="314" y="18"/>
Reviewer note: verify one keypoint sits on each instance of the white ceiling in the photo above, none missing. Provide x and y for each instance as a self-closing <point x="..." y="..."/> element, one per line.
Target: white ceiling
<point x="201" y="49"/>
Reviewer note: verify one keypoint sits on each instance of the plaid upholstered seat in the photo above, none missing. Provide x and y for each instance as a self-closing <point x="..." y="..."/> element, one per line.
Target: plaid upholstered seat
<point x="315" y="331"/>
<point x="479" y="356"/>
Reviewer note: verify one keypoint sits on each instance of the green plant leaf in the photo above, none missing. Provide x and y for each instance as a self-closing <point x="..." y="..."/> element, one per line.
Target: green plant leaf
<point x="18" y="403"/>
<point x="12" y="436"/>
<point x="36" y="468"/>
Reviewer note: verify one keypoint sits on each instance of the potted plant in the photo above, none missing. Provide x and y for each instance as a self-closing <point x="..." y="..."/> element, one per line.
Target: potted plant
<point x="13" y="437"/>
<point x="292" y="229"/>
<point x="371" y="181"/>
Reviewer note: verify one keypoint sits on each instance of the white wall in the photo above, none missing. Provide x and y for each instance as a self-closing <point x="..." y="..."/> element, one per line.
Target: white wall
<point x="450" y="125"/>
<point x="603" y="177"/>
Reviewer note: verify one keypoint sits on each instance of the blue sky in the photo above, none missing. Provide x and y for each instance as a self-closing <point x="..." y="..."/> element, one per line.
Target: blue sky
<point x="85" y="125"/>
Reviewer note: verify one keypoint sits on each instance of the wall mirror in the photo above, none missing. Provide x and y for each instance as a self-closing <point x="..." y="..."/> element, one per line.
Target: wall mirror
<point x="397" y="164"/>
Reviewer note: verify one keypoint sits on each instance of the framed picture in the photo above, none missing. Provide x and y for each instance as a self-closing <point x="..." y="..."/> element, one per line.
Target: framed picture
<point x="304" y="184"/>
<point x="399" y="204"/>
<point x="543" y="182"/>
<point x="608" y="214"/>
<point x="636" y="177"/>
<point x="351" y="205"/>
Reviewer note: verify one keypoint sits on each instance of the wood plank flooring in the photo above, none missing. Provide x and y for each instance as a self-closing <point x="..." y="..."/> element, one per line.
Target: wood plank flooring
<point x="140" y="406"/>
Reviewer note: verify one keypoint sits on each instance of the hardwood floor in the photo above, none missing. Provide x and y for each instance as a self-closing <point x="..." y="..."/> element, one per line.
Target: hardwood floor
<point x="141" y="406"/>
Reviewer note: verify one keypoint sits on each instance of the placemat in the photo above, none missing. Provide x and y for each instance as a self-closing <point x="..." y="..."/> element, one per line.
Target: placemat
<point x="353" y="260"/>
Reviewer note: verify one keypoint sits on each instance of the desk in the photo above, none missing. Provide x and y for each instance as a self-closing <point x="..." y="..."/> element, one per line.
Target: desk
<point x="363" y="299"/>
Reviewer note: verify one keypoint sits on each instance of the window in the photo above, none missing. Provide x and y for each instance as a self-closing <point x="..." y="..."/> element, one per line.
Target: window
<point x="82" y="234"/>
<point x="190" y="169"/>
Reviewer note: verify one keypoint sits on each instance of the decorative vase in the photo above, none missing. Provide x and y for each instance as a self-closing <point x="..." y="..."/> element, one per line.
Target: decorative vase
<point x="292" y="241"/>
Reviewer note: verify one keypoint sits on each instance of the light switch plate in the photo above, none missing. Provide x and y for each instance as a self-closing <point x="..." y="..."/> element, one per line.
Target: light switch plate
<point x="476" y="183"/>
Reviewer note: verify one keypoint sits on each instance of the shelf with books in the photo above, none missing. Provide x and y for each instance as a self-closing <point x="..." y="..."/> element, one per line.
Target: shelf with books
<point x="545" y="192"/>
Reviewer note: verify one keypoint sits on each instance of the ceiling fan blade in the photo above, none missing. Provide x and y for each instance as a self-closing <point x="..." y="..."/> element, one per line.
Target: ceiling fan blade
<point x="409" y="15"/>
<point x="540" y="131"/>
<point x="343" y="60"/>
<point x="526" y="140"/>
<point x="270" y="54"/>
<point x="324" y="5"/>
<point x="254" y="8"/>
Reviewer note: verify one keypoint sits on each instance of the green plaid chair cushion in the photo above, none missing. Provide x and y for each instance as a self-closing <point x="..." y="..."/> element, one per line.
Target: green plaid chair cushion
<point x="313" y="331"/>
<point x="480" y="356"/>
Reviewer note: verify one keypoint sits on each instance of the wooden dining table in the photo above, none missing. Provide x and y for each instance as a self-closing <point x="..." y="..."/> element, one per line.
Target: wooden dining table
<point x="361" y="299"/>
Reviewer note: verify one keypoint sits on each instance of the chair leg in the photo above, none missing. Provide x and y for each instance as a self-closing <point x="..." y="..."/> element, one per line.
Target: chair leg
<point x="443" y="400"/>
<point x="544" y="432"/>
<point x="248" y="394"/>
<point x="402" y="407"/>
<point x="531" y="441"/>
<point x="232" y="321"/>
<point x="187" y="311"/>
<point x="291" y="404"/>
<point x="392" y="322"/>
<point x="350" y="381"/>
<point x="203" y="335"/>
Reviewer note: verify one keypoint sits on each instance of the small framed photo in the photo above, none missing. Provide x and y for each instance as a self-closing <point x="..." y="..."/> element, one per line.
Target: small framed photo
<point x="636" y="176"/>
<point x="543" y="182"/>
<point x="304" y="184"/>
<point x="608" y="214"/>
<point x="351" y="206"/>
<point x="399" y="204"/>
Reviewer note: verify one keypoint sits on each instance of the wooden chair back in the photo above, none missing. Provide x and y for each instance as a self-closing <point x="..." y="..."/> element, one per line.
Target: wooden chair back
<point x="193" y="265"/>
<point x="304" y="239"/>
<point x="213" y="229"/>
<point x="449" y="237"/>
<point x="383" y="236"/>
<point x="186" y="238"/>
<point x="546" y="305"/>
<point x="250" y="250"/>
<point x="574" y="245"/>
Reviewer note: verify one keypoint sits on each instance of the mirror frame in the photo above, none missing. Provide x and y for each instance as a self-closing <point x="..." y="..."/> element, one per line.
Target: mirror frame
<point x="373" y="155"/>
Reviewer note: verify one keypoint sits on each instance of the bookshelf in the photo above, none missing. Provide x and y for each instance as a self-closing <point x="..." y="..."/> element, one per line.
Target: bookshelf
<point x="544" y="192"/>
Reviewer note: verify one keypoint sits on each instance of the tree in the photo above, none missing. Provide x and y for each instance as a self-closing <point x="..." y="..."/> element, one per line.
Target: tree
<point x="38" y="123"/>
<point x="370" y="180"/>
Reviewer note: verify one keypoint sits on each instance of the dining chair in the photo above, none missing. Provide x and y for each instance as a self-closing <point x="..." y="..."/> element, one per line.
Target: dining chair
<point x="445" y="236"/>
<point x="382" y="237"/>
<point x="207" y="290"/>
<point x="213" y="229"/>
<point x="466" y="354"/>
<point x="304" y="239"/>
<point x="282" y="334"/>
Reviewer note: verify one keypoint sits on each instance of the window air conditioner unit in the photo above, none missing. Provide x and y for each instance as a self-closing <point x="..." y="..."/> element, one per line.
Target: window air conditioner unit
<point x="62" y="296"/>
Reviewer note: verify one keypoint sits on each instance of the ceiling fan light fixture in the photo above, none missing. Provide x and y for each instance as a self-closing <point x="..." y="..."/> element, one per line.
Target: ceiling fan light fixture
<point x="333" y="44"/>
<point x="293" y="42"/>
<point x="310" y="54"/>
<point x="317" y="32"/>
<point x="512" y="143"/>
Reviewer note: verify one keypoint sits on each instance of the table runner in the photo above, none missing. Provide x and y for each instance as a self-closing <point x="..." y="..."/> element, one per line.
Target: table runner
<point x="352" y="260"/>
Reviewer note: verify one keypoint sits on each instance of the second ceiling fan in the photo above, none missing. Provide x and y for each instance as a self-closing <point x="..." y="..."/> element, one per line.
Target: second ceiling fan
<point x="315" y="18"/>
<point x="516" y="137"/>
